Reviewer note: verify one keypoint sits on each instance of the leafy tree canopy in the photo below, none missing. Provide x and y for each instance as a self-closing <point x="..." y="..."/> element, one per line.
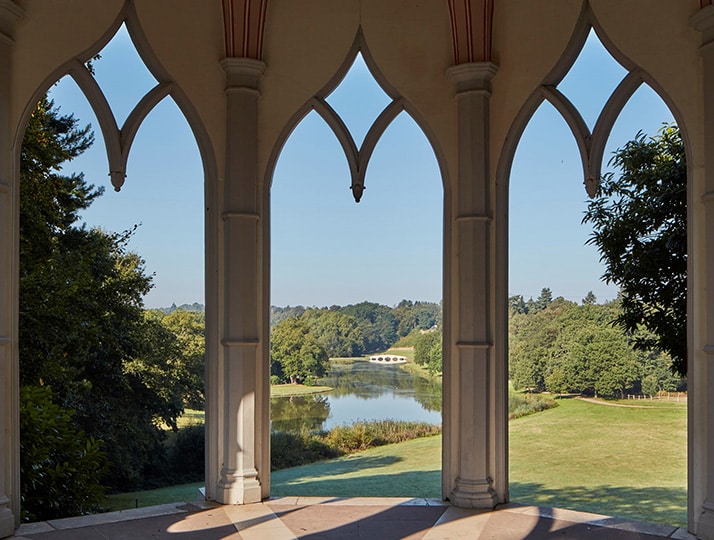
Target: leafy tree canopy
<point x="295" y="353"/>
<point x="639" y="219"/>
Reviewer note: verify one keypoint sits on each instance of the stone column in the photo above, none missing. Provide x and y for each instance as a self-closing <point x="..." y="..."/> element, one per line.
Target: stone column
<point x="474" y="430"/>
<point x="701" y="301"/>
<point x="239" y="404"/>
<point x="10" y="13"/>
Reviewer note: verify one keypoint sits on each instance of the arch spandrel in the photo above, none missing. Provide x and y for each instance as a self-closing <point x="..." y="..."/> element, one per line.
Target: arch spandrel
<point x="528" y="41"/>
<point x="187" y="40"/>
<point x="668" y="58"/>
<point x="50" y="35"/>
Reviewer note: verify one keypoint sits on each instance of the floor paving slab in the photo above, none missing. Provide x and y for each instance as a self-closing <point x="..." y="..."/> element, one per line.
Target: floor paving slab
<point x="330" y="518"/>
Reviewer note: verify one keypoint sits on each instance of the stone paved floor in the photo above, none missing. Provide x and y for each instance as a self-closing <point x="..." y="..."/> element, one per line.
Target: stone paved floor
<point x="311" y="518"/>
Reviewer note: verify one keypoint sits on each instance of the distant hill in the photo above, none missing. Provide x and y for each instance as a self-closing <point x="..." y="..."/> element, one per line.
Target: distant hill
<point x="184" y="307"/>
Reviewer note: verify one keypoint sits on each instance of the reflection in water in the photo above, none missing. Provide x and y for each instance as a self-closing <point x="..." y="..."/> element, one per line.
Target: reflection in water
<point x="295" y="413"/>
<point x="362" y="391"/>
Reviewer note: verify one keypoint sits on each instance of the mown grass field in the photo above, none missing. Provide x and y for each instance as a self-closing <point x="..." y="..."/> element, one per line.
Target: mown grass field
<point x="620" y="461"/>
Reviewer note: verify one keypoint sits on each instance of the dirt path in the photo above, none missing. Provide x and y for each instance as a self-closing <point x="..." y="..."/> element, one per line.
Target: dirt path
<point x="602" y="402"/>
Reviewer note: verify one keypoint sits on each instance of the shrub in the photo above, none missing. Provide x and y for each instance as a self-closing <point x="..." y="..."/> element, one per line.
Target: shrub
<point x="293" y="449"/>
<point x="60" y="467"/>
<point x="187" y="454"/>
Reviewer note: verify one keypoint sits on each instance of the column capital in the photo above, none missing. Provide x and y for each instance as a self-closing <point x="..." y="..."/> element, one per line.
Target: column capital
<point x="10" y="15"/>
<point x="243" y="72"/>
<point x="472" y="76"/>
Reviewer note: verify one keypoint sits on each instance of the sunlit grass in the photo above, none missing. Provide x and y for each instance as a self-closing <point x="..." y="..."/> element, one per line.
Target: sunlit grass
<point x="621" y="461"/>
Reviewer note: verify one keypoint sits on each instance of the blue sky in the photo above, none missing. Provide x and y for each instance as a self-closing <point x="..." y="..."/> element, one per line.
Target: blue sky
<point x="327" y="249"/>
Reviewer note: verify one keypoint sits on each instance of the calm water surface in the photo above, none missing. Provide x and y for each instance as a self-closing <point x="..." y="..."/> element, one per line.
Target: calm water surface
<point x="361" y="391"/>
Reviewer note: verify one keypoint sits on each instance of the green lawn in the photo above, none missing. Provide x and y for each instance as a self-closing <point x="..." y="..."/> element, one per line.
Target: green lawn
<point x="621" y="461"/>
<point x="411" y="468"/>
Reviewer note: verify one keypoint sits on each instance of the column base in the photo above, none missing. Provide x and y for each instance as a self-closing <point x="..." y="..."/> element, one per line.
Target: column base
<point x="705" y="522"/>
<point x="238" y="489"/>
<point x="7" y="523"/>
<point x="473" y="494"/>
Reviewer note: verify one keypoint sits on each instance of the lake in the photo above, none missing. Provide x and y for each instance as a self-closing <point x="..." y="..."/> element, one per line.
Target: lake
<point x="361" y="391"/>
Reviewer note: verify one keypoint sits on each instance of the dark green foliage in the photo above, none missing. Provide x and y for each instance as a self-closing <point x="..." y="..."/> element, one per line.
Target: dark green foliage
<point x="339" y="334"/>
<point x="640" y="228"/>
<point x="186" y="455"/>
<point x="60" y="466"/>
<point x="516" y="304"/>
<point x="293" y="449"/>
<point x="377" y="324"/>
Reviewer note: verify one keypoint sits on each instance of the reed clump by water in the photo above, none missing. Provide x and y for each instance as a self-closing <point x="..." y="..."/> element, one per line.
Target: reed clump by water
<point x="522" y="404"/>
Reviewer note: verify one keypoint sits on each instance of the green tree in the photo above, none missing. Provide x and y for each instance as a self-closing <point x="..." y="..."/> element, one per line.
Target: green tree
<point x="589" y="299"/>
<point x="377" y="324"/>
<point x="339" y="334"/>
<point x="516" y="305"/>
<point x="424" y="347"/>
<point x="639" y="220"/>
<point x="295" y="354"/>
<point x="189" y="363"/>
<point x="532" y="344"/>
<point x="544" y="299"/>
<point x="82" y="325"/>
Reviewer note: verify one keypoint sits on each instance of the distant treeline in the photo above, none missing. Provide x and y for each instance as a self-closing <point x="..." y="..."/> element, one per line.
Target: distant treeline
<point x="183" y="307"/>
<point x="362" y="328"/>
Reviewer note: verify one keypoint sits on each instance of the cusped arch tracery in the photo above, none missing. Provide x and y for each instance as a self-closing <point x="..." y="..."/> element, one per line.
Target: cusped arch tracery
<point x="358" y="157"/>
<point x="591" y="143"/>
<point x="118" y="139"/>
